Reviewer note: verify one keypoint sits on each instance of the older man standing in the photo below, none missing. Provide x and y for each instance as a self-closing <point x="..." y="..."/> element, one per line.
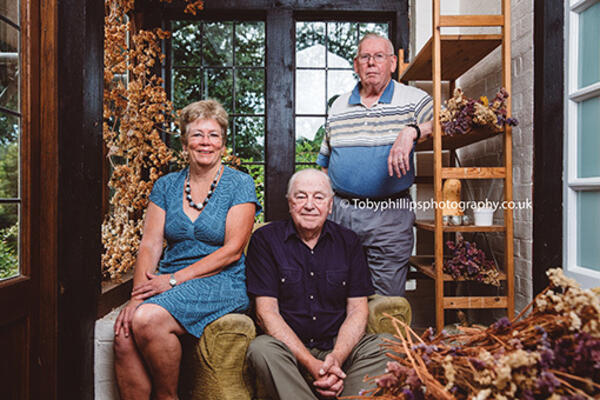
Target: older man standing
<point x="310" y="281"/>
<point x="368" y="154"/>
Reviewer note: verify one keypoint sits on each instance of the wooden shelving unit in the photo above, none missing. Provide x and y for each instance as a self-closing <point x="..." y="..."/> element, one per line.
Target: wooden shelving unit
<point x="447" y="57"/>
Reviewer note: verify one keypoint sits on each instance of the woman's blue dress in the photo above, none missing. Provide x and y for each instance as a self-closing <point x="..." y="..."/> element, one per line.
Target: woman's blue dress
<point x="198" y="302"/>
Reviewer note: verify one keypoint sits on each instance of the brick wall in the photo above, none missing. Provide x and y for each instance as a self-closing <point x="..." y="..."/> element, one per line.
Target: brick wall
<point x="105" y="385"/>
<point x="485" y="78"/>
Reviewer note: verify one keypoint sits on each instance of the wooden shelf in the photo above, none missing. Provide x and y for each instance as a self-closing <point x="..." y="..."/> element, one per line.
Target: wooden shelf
<point x="457" y="141"/>
<point x="429" y="225"/>
<point x="459" y="54"/>
<point x="424" y="264"/>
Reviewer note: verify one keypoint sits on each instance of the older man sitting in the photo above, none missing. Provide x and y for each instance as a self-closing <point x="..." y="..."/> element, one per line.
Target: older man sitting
<point x="310" y="281"/>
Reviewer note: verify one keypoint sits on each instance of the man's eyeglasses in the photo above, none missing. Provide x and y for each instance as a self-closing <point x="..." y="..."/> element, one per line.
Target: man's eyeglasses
<point x="378" y="58"/>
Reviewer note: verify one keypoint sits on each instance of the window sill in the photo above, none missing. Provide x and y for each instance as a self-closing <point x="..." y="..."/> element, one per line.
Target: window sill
<point x="114" y="293"/>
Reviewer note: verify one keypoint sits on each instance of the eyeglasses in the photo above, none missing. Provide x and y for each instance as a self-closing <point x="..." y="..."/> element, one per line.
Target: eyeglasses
<point x="212" y="136"/>
<point x="378" y="58"/>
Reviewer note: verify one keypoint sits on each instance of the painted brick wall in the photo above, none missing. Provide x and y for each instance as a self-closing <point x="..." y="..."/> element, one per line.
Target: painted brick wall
<point x="105" y="386"/>
<point x="486" y="79"/>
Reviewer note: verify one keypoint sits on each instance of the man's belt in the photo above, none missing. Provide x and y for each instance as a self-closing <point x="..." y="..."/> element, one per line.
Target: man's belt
<point x="401" y="195"/>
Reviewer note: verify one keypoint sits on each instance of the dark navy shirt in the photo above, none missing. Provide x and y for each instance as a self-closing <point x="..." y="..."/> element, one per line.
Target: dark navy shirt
<point x="311" y="286"/>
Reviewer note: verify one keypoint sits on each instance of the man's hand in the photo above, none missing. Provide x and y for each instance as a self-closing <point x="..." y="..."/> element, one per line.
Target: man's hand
<point x="398" y="159"/>
<point x="330" y="381"/>
<point x="155" y="284"/>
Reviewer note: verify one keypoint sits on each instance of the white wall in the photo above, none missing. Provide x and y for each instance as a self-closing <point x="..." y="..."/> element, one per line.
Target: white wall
<point x="486" y="79"/>
<point x="105" y="387"/>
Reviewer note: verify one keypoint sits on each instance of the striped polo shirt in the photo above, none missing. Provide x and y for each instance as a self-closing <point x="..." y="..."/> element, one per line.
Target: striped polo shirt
<point x="358" y="140"/>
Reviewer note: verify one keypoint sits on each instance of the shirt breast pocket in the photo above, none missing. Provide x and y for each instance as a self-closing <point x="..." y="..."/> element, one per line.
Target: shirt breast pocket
<point x="290" y="284"/>
<point x="337" y="286"/>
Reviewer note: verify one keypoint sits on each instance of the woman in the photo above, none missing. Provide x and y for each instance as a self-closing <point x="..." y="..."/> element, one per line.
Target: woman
<point x="206" y="213"/>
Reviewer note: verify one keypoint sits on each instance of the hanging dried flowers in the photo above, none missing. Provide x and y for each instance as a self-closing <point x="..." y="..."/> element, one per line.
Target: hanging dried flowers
<point x="462" y="114"/>
<point x="553" y="353"/>
<point x="136" y="112"/>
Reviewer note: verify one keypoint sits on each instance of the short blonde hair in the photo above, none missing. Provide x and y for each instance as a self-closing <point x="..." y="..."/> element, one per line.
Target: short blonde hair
<point x="203" y="109"/>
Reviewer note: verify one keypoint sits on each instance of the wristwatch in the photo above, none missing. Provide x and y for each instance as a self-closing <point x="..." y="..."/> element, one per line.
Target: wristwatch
<point x="172" y="280"/>
<point x="417" y="129"/>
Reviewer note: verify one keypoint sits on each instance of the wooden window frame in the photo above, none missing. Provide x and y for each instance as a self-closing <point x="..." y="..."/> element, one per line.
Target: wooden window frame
<point x="280" y="31"/>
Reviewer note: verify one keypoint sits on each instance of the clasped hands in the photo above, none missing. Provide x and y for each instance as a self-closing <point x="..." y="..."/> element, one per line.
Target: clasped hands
<point x="329" y="377"/>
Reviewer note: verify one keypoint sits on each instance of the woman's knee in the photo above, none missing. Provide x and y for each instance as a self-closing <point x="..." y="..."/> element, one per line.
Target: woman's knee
<point x="147" y="319"/>
<point x="123" y="346"/>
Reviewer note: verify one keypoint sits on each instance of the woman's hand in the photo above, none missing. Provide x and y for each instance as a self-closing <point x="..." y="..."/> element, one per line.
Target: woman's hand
<point x="123" y="322"/>
<point x="155" y="284"/>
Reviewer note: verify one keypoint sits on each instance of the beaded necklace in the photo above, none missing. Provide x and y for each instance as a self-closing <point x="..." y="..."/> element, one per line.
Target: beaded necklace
<point x="188" y="191"/>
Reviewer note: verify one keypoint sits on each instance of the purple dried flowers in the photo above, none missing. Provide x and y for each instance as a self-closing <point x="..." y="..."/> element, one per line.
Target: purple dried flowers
<point x="469" y="262"/>
<point x="462" y="114"/>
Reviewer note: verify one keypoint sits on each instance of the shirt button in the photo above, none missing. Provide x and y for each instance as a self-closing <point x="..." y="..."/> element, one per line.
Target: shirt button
<point x="314" y="318"/>
<point x="311" y="297"/>
<point x="343" y="283"/>
<point x="312" y="340"/>
<point x="312" y="252"/>
<point x="312" y="273"/>
<point x="282" y="280"/>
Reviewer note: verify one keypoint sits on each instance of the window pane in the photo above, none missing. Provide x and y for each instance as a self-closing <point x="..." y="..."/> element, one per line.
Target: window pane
<point x="339" y="82"/>
<point x="186" y="43"/>
<point x="310" y="44"/>
<point x="218" y="85"/>
<point x="186" y="87"/>
<point x="342" y="40"/>
<point x="250" y="138"/>
<point x="218" y="43"/>
<point x="379" y="28"/>
<point x="9" y="156"/>
<point x="589" y="47"/>
<point x="9" y="66"/>
<point x="588" y="224"/>
<point x="588" y="161"/>
<point x="309" y="134"/>
<point x="250" y="91"/>
<point x="310" y="92"/>
<point x="250" y="43"/>
<point x="9" y="240"/>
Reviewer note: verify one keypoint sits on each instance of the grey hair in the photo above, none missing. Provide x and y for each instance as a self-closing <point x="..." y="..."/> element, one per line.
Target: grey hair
<point x="308" y="171"/>
<point x="373" y="35"/>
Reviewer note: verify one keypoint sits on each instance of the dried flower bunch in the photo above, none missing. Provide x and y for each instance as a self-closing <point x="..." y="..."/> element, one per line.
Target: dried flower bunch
<point x="136" y="111"/>
<point x="553" y="353"/>
<point x="469" y="262"/>
<point x="462" y="114"/>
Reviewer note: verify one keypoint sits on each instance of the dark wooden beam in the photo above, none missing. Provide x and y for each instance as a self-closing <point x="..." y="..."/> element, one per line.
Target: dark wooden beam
<point x="279" y="139"/>
<point x="548" y="139"/>
<point x="297" y="5"/>
<point x="80" y="85"/>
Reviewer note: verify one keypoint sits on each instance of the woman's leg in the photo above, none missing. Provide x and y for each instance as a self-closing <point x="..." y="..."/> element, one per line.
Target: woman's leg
<point x="132" y="377"/>
<point x="156" y="334"/>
